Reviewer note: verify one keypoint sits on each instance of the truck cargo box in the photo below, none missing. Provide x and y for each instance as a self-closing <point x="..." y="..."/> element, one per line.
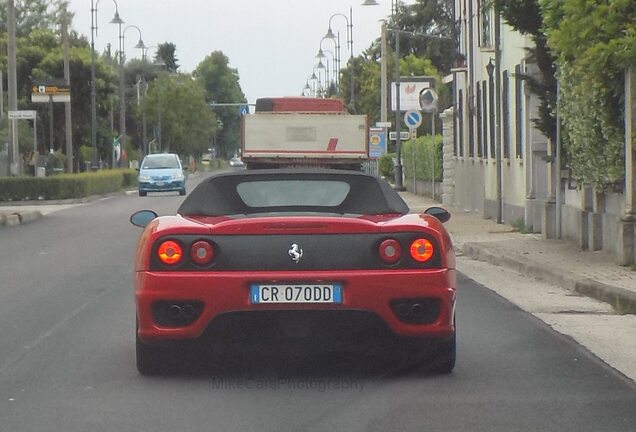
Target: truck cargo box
<point x="299" y="104"/>
<point x="271" y="137"/>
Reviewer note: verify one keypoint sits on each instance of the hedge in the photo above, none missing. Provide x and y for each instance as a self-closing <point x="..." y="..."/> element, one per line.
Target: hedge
<point x="66" y="186"/>
<point x="421" y="154"/>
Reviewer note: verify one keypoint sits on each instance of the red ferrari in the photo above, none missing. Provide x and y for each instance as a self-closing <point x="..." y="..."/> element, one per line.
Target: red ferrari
<point x="294" y="256"/>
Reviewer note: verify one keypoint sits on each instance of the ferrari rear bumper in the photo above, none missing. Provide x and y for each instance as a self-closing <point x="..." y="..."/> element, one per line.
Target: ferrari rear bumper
<point x="411" y="303"/>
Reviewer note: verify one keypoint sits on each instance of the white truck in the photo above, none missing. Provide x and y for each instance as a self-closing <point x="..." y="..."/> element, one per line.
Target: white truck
<point x="301" y="132"/>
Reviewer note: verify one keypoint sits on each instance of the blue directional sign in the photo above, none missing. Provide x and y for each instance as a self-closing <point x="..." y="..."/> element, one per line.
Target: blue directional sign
<point x="377" y="142"/>
<point x="413" y="119"/>
<point x="244" y="110"/>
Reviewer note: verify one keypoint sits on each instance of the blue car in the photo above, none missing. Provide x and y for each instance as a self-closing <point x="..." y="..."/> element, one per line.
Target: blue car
<point x="161" y="172"/>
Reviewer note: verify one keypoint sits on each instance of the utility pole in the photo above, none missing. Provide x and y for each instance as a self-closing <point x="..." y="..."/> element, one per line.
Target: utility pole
<point x="398" y="144"/>
<point x="383" y="76"/>
<point x="12" y="85"/>
<point x="498" y="115"/>
<point x="67" y="105"/>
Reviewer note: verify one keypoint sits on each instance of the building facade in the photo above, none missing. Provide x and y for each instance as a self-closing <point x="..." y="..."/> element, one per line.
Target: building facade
<point x="499" y="165"/>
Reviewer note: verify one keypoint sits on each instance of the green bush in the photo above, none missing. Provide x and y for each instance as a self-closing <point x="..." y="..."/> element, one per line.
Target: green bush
<point x="419" y="155"/>
<point x="66" y="186"/>
<point x="594" y="42"/>
<point x="55" y="163"/>
<point x="386" y="165"/>
<point x="85" y="153"/>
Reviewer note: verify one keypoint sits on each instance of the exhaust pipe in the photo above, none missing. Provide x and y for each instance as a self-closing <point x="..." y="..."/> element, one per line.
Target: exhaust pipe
<point x="417" y="310"/>
<point x="188" y="311"/>
<point x="403" y="310"/>
<point x="175" y="311"/>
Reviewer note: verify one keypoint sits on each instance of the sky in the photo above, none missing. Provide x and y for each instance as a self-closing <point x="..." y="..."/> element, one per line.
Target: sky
<point x="272" y="43"/>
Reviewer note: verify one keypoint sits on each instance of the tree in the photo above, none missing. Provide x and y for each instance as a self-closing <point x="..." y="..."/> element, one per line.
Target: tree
<point x="187" y="123"/>
<point x="40" y="57"/>
<point x="221" y="84"/>
<point x="594" y="42"/>
<point x="525" y="17"/>
<point x="367" y="80"/>
<point x="33" y="14"/>
<point x="167" y="53"/>
<point x="426" y="17"/>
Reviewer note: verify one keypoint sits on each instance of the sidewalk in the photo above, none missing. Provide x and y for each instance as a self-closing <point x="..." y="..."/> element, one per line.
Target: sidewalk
<point x="20" y="213"/>
<point x="559" y="262"/>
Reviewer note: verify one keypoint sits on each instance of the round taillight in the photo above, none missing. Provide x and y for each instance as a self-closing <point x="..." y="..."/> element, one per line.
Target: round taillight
<point x="170" y="252"/>
<point x="390" y="251"/>
<point x="422" y="250"/>
<point x="201" y="252"/>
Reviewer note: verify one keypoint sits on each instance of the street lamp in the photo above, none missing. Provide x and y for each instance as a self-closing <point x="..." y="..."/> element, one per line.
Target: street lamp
<point x="122" y="99"/>
<point x="116" y="20"/>
<point x="158" y="63"/>
<point x="321" y="55"/>
<point x="314" y="78"/>
<point x="330" y="35"/>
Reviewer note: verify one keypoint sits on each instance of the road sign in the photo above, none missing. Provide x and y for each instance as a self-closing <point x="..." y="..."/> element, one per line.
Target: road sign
<point x="377" y="142"/>
<point x="383" y="124"/>
<point x="51" y="91"/>
<point x="413" y="119"/>
<point x="410" y="90"/>
<point x="22" y="115"/>
<point x="404" y="135"/>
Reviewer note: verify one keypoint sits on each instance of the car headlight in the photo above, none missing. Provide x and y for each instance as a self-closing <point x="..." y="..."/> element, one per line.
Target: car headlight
<point x="177" y="176"/>
<point x="144" y="178"/>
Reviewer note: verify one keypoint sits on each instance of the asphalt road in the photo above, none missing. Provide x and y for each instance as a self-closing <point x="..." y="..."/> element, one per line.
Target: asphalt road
<point x="67" y="357"/>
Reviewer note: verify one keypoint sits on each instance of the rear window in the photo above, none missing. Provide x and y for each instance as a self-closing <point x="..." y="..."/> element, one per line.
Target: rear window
<point x="281" y="193"/>
<point x="161" y="162"/>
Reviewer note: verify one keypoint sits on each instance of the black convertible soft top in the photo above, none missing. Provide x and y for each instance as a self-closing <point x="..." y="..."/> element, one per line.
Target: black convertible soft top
<point x="299" y="190"/>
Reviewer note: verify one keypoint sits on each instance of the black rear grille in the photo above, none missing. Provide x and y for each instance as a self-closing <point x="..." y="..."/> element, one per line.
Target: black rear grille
<point x="319" y="252"/>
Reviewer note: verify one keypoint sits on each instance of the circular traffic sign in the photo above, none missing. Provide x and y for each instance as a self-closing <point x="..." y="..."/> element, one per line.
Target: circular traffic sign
<point x="413" y="119"/>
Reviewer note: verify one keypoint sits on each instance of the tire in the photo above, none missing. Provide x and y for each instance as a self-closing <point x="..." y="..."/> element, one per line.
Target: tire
<point x="182" y="192"/>
<point x="151" y="360"/>
<point x="142" y="193"/>
<point x="431" y="357"/>
<point x="445" y="356"/>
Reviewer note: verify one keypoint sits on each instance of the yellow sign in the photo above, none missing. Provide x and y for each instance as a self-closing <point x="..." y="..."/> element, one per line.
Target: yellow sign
<point x="50" y="89"/>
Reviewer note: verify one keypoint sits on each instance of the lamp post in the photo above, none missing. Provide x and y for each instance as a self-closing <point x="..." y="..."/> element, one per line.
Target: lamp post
<point x="158" y="63"/>
<point x="398" y="144"/>
<point x="314" y="78"/>
<point x="331" y="35"/>
<point x="116" y="20"/>
<point x="122" y="98"/>
<point x="321" y="69"/>
<point x="321" y="55"/>
<point x="144" y="128"/>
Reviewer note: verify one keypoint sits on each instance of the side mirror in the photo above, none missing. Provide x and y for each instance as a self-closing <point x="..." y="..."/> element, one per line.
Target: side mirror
<point x="142" y="218"/>
<point x="439" y="213"/>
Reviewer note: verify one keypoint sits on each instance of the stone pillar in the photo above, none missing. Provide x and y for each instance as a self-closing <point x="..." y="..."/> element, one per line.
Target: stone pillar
<point x="586" y="207"/>
<point x="448" y="182"/>
<point x="595" y="221"/>
<point x="627" y="224"/>
<point x="548" y="219"/>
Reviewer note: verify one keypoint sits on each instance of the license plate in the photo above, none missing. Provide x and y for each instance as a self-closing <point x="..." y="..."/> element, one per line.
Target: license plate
<point x="295" y="293"/>
<point x="160" y="183"/>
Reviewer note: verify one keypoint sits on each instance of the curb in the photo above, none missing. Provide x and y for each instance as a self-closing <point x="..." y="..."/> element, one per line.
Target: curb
<point x="623" y="301"/>
<point x="12" y="219"/>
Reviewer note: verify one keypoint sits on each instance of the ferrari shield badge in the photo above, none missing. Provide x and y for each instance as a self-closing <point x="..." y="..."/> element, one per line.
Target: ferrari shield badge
<point x="295" y="252"/>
